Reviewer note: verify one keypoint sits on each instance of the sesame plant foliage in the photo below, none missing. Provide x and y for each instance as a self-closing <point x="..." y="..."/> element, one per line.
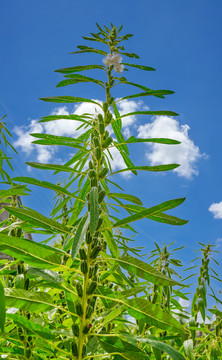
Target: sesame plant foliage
<point x="83" y="292"/>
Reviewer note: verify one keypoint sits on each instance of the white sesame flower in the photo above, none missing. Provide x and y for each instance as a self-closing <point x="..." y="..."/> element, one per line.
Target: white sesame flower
<point x="115" y="60"/>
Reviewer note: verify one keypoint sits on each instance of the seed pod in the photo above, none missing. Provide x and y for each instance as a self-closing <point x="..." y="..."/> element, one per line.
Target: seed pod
<point x="91" y="272"/>
<point x="95" y="252"/>
<point x="101" y="197"/>
<point x="83" y="350"/>
<point x="89" y="311"/>
<point x="91" y="288"/>
<point x="99" y="223"/>
<point x="87" y="328"/>
<point x="93" y="182"/>
<point x="98" y="153"/>
<point x="26" y="285"/>
<point x="100" y="118"/>
<point x="108" y="118"/>
<point x="93" y="302"/>
<point x="19" y="232"/>
<point x="95" y="242"/>
<point x="88" y="238"/>
<point x="82" y="254"/>
<point x="111" y="100"/>
<point x="92" y="173"/>
<point x="96" y="266"/>
<point x="103" y="172"/>
<point x="90" y="165"/>
<point x="79" y="309"/>
<point x="101" y="128"/>
<point x="79" y="290"/>
<point x="75" y="329"/>
<point x="84" y="267"/>
<point x="102" y="160"/>
<point x="106" y="134"/>
<point x="105" y="106"/>
<point x="74" y="348"/>
<point x="20" y="269"/>
<point x="107" y="142"/>
<point x="96" y="141"/>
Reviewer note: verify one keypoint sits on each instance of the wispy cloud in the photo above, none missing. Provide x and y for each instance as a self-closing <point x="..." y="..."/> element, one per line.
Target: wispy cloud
<point x="216" y="209"/>
<point x="186" y="154"/>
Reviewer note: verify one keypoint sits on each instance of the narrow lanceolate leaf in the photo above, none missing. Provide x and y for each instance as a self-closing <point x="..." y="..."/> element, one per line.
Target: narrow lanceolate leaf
<point x="81" y="78"/>
<point x="94" y="209"/>
<point x="158" y="93"/>
<point x="66" y="117"/>
<point x="17" y="190"/>
<point x="32" y="253"/>
<point x="158" y="113"/>
<point x="116" y="346"/>
<point x="152" y="314"/>
<point x="46" y="274"/>
<point x="2" y="307"/>
<point x="127" y="161"/>
<point x="167" y="219"/>
<point x="75" y="81"/>
<point x="54" y="167"/>
<point x="28" y="300"/>
<point x="37" y="219"/>
<point x="145" y="271"/>
<point x="31" y="326"/>
<point x="142" y="67"/>
<point x="155" y="343"/>
<point x="79" y="235"/>
<point x="188" y="348"/>
<point x="167" y="205"/>
<point x="79" y="68"/>
<point x="127" y="197"/>
<point x="45" y="184"/>
<point x="166" y="167"/>
<point x="84" y="49"/>
<point x="166" y="141"/>
<point x="68" y="99"/>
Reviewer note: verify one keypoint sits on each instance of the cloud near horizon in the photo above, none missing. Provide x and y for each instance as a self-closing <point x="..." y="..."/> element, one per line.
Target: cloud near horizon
<point x="186" y="154"/>
<point x="216" y="209"/>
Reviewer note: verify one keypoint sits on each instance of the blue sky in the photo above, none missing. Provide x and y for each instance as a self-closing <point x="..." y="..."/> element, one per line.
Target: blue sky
<point x="182" y="41"/>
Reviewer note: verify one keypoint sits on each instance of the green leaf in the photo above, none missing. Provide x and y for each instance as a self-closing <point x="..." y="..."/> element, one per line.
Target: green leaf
<point x="155" y="343"/>
<point x="142" y="67"/>
<point x="94" y="209"/>
<point x="166" y="167"/>
<point x="68" y="99"/>
<point x="115" y="345"/>
<point x="66" y="117"/>
<point x="37" y="219"/>
<point x="158" y="93"/>
<point x="167" y="141"/>
<point x="2" y="307"/>
<point x="79" y="235"/>
<point x="167" y="219"/>
<point x="46" y="274"/>
<point x="34" y="254"/>
<point x="131" y="55"/>
<point x="84" y="49"/>
<point x="158" y="113"/>
<point x="116" y="125"/>
<point x="31" y="326"/>
<point x="52" y="167"/>
<point x="16" y="190"/>
<point x="152" y="314"/>
<point x="45" y="184"/>
<point x="28" y="300"/>
<point x="127" y="197"/>
<point x="81" y="78"/>
<point x="127" y="161"/>
<point x="154" y="210"/>
<point x="79" y="68"/>
<point x="145" y="271"/>
<point x="201" y="307"/>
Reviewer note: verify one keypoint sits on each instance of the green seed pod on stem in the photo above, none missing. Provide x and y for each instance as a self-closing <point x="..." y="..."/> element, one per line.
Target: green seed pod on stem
<point x="93" y="182"/>
<point x="87" y="328"/>
<point x="100" y="118"/>
<point x="88" y="238"/>
<point x="74" y="348"/>
<point x="82" y="254"/>
<point x="107" y="142"/>
<point x="83" y="350"/>
<point x="98" y="153"/>
<point x="89" y="311"/>
<point x="101" y="197"/>
<point x="91" y="173"/>
<point x="103" y="173"/>
<point x="79" y="290"/>
<point x="75" y="330"/>
<point x="96" y="141"/>
<point x="90" y="165"/>
<point x="84" y="267"/>
<point x="79" y="309"/>
<point x="91" y="288"/>
<point x="101" y="129"/>
<point x="99" y="223"/>
<point x="95" y="252"/>
<point x="105" y="106"/>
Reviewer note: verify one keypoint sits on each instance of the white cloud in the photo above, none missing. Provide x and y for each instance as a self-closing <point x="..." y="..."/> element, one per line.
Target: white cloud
<point x="184" y="303"/>
<point x="186" y="154"/>
<point x="216" y="209"/>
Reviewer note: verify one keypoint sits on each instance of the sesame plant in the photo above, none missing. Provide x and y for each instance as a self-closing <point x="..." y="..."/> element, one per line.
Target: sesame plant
<point x="84" y="292"/>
